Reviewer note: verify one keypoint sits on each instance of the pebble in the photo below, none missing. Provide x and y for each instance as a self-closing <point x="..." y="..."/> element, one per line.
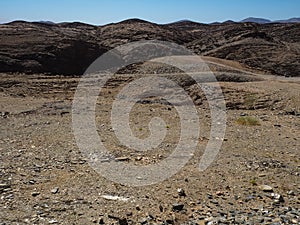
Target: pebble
<point x="115" y="198"/>
<point x="209" y="196"/>
<point x="143" y="221"/>
<point x="55" y="190"/>
<point x="177" y="207"/>
<point x="35" y="193"/>
<point x="181" y="192"/>
<point x="277" y="197"/>
<point x="32" y="182"/>
<point x="53" y="221"/>
<point x="291" y="193"/>
<point x="161" y="208"/>
<point x="266" y="188"/>
<point x="122" y="158"/>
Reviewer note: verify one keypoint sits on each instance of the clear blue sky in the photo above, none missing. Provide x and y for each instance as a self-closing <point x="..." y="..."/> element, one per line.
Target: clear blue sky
<point x="160" y="11"/>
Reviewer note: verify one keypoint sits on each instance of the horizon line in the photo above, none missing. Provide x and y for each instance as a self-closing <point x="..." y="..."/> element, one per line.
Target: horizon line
<point x="136" y="18"/>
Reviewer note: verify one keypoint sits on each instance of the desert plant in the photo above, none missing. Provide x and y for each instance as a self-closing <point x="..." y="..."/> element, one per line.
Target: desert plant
<point x="253" y="182"/>
<point x="250" y="101"/>
<point x="248" y="120"/>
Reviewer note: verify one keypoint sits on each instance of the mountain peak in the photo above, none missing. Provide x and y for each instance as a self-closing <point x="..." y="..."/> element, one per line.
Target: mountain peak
<point x="134" y="20"/>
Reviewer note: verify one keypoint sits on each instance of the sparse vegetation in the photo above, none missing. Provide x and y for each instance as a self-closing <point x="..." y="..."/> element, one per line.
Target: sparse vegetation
<point x="249" y="159"/>
<point x="248" y="121"/>
<point x="250" y="100"/>
<point x="253" y="182"/>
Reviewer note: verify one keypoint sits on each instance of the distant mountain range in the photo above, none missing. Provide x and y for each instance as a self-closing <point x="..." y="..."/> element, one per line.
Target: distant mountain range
<point x="247" y="20"/>
<point x="262" y="20"/>
<point x="69" y="48"/>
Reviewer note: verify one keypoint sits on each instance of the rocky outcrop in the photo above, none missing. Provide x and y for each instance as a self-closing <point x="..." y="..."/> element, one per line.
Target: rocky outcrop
<point x="46" y="48"/>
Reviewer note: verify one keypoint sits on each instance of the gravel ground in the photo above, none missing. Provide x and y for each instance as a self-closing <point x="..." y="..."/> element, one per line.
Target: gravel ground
<point x="46" y="180"/>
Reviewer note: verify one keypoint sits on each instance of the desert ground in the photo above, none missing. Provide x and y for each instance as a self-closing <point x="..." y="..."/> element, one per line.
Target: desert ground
<point x="255" y="179"/>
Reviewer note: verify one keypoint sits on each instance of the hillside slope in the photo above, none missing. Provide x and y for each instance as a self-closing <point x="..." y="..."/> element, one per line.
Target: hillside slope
<point x="69" y="48"/>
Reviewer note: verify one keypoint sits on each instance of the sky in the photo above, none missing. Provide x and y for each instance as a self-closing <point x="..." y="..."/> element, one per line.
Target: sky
<point x="100" y="12"/>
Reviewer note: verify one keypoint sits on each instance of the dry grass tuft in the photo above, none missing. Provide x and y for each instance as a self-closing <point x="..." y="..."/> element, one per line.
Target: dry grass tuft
<point x="248" y="120"/>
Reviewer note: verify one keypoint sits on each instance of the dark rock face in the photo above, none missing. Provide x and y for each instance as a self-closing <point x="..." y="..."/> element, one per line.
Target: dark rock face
<point x="43" y="48"/>
<point x="72" y="58"/>
<point x="69" y="48"/>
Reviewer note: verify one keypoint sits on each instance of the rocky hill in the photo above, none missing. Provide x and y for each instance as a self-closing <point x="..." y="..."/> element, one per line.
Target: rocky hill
<point x="69" y="48"/>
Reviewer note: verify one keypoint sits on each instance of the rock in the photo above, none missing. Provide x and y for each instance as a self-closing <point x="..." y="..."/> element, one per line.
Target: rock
<point x="161" y="208"/>
<point x="35" y="193"/>
<point x="168" y="221"/>
<point x="181" y="192"/>
<point x="143" y="221"/>
<point x="4" y="114"/>
<point x="115" y="198"/>
<point x="209" y="196"/>
<point x="139" y="158"/>
<point x="219" y="193"/>
<point x="278" y="198"/>
<point x="55" y="190"/>
<point x="53" y="221"/>
<point x="4" y="186"/>
<point x="122" y="221"/>
<point x="177" y="207"/>
<point x="266" y="188"/>
<point x="291" y="193"/>
<point x="32" y="182"/>
<point x="122" y="158"/>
